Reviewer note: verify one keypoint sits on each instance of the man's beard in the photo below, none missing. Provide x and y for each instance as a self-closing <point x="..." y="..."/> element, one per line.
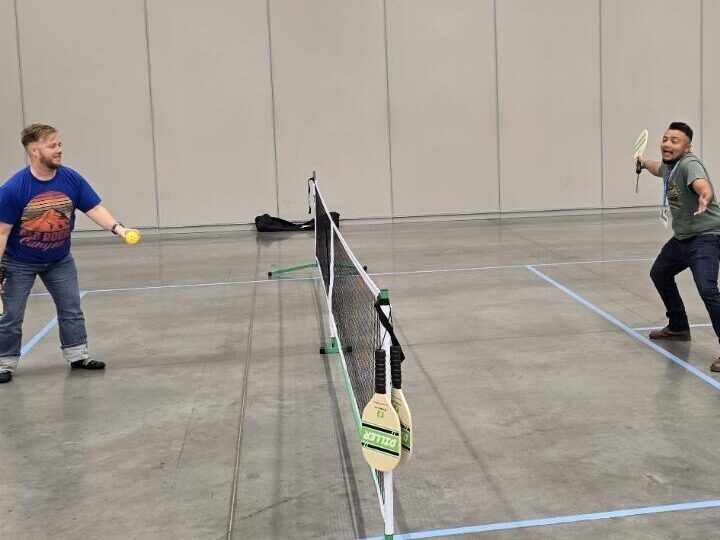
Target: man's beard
<point x="47" y="162"/>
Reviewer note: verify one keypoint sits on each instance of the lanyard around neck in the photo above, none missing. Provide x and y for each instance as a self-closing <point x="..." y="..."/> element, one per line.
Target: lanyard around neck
<point x="666" y="184"/>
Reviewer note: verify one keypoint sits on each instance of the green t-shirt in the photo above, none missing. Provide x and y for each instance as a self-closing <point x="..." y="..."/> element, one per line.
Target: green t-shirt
<point x="683" y="201"/>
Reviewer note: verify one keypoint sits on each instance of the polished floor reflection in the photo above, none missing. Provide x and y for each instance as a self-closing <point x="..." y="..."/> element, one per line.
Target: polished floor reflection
<point x="534" y="394"/>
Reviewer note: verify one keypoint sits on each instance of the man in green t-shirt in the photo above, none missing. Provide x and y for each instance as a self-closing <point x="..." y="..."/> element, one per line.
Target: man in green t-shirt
<point x="696" y="240"/>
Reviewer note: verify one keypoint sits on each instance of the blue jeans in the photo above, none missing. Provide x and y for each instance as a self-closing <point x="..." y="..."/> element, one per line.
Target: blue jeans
<point x="702" y="255"/>
<point x="60" y="279"/>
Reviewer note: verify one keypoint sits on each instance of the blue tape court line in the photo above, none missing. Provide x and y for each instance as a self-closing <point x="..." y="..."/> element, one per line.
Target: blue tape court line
<point x="502" y="267"/>
<point x="704" y="325"/>
<point x="578" y="518"/>
<point x="41" y="334"/>
<point x="581" y="517"/>
<point x="372" y="274"/>
<point x="627" y="329"/>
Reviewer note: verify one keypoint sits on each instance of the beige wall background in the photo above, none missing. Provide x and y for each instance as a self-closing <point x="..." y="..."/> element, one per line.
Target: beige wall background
<point x="185" y="113"/>
<point x="11" y="108"/>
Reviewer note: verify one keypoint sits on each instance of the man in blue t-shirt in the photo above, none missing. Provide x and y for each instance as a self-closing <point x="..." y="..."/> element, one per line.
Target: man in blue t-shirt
<point x="37" y="216"/>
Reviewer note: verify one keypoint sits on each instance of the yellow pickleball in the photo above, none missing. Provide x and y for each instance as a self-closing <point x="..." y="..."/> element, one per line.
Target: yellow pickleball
<point x="133" y="237"/>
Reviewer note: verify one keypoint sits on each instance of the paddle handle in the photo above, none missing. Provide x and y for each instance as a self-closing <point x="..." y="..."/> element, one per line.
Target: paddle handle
<point x="380" y="371"/>
<point x="396" y="356"/>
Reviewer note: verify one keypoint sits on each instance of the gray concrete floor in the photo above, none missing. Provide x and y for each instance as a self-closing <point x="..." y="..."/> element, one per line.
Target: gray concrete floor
<point x="217" y="418"/>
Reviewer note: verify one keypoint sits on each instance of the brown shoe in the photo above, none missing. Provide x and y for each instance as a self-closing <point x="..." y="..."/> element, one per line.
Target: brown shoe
<point x="715" y="366"/>
<point x="670" y="335"/>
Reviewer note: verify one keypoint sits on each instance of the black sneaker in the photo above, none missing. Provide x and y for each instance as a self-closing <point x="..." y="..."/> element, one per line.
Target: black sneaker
<point x="88" y="363"/>
<point x="5" y="376"/>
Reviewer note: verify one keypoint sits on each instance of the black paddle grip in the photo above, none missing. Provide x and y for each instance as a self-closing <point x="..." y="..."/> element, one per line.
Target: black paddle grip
<point x="379" y="371"/>
<point x="638" y="167"/>
<point x="396" y="357"/>
<point x="3" y="273"/>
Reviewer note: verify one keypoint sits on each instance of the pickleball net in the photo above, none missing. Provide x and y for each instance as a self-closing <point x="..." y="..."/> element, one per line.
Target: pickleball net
<point x="355" y="329"/>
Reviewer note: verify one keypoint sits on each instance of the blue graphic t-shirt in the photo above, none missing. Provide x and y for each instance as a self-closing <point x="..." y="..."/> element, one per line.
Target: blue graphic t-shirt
<point x="43" y="213"/>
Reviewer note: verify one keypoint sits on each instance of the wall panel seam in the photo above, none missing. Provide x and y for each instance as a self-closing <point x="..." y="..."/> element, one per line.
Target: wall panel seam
<point x="702" y="77"/>
<point x="602" y="138"/>
<point x="153" y="133"/>
<point x="272" y="109"/>
<point x="497" y="108"/>
<point x="19" y="65"/>
<point x="389" y="123"/>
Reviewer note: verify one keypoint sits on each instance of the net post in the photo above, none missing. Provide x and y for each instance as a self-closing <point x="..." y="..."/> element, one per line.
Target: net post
<point x="324" y="259"/>
<point x="343" y="275"/>
<point x="388" y="503"/>
<point x="313" y="210"/>
<point x="331" y="286"/>
<point x="311" y="196"/>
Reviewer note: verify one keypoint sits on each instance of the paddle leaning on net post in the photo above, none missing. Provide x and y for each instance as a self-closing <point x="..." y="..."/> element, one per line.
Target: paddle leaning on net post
<point x="398" y="400"/>
<point x="380" y="431"/>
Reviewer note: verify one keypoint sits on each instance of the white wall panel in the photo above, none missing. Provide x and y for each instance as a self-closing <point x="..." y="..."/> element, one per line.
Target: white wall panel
<point x="549" y="95"/>
<point x="443" y="119"/>
<point x="213" y="111"/>
<point x="651" y="77"/>
<point x="711" y="89"/>
<point x="11" y="152"/>
<point x="331" y="104"/>
<point x="84" y="66"/>
<point x="215" y="70"/>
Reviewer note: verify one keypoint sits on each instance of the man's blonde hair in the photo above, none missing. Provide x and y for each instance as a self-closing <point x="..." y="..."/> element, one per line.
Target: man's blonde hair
<point x="35" y="132"/>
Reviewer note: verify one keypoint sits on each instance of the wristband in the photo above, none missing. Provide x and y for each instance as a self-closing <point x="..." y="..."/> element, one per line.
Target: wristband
<point x="115" y="226"/>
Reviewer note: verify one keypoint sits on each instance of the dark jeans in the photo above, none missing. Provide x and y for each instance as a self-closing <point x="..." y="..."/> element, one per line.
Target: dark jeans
<point x="60" y="279"/>
<point x="702" y="255"/>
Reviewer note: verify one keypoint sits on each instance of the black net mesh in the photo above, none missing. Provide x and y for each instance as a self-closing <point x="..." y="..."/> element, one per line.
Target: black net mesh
<point x="322" y="239"/>
<point x="353" y="305"/>
<point x="353" y="308"/>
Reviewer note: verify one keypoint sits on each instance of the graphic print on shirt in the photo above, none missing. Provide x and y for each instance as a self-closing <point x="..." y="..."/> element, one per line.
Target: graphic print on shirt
<point x="673" y="196"/>
<point x="45" y="222"/>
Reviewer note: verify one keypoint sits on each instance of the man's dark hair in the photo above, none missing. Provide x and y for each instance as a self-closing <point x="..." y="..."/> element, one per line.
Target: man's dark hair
<point x="682" y="126"/>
